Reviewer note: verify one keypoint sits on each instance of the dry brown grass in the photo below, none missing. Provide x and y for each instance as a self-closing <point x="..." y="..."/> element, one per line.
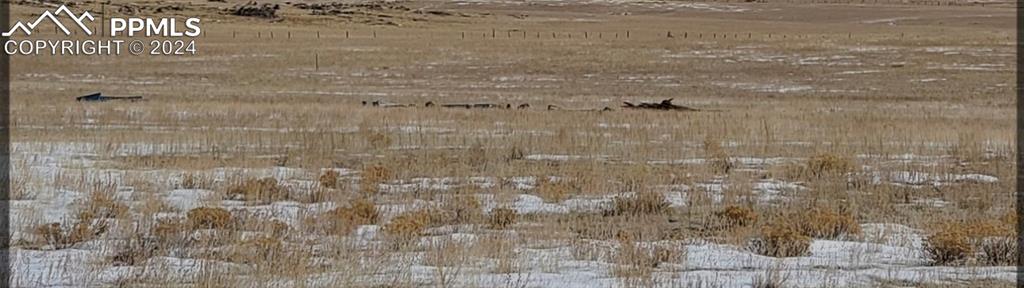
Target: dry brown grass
<point x="643" y="203"/>
<point x="836" y="109"/>
<point x="265" y="190"/>
<point x="781" y="240"/>
<point x="372" y="177"/>
<point x="826" y="223"/>
<point x="502" y="218"/>
<point x="261" y="249"/>
<point x="737" y="216"/>
<point x="408" y="226"/>
<point x="981" y="241"/>
<point x="822" y="165"/>
<point x="209" y="218"/>
<point x="554" y="191"/>
<point x="60" y="236"/>
<point x="195" y="181"/>
<point x="637" y="260"/>
<point x="462" y="209"/>
<point x="343" y="220"/>
<point x="101" y="204"/>
<point x="329" y="179"/>
<point x="717" y="158"/>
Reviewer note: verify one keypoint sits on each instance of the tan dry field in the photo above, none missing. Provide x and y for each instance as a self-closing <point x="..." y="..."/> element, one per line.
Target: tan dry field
<point x="853" y="143"/>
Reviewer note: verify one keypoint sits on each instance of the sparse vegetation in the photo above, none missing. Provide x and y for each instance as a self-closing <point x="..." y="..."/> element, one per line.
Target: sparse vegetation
<point x="254" y="162"/>
<point x="737" y="216"/>
<point x="329" y="179"/>
<point x="361" y="211"/>
<point x="209" y="218"/>
<point x="644" y="203"/>
<point x="264" y="190"/>
<point x="372" y="177"/>
<point x="502" y="218"/>
<point x="781" y="240"/>
<point x="554" y="191"/>
<point x="408" y="226"/>
<point x="827" y="223"/>
<point x="828" y="164"/>
<point x="959" y="243"/>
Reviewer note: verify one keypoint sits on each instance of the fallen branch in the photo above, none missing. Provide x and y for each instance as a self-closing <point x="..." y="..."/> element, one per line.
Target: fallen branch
<point x="472" y="105"/>
<point x="663" y="105"/>
<point x="378" y="103"/>
<point x="556" y="107"/>
<point x="99" y="97"/>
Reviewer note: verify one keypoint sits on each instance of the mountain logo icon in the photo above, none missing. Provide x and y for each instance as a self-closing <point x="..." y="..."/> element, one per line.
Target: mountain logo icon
<point x="52" y="16"/>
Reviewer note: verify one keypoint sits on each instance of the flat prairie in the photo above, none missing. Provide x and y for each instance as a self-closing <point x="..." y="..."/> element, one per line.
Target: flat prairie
<point x="849" y="143"/>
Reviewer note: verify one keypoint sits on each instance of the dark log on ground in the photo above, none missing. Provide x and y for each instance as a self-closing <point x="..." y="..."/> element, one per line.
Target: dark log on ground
<point x="382" y="104"/>
<point x="663" y="105"/>
<point x="470" y="105"/>
<point x="556" y="107"/>
<point x="99" y="97"/>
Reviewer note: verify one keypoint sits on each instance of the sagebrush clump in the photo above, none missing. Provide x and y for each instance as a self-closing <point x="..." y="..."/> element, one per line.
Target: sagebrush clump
<point x="343" y="220"/>
<point x="265" y="190"/>
<point x="978" y="241"/>
<point x="372" y="177"/>
<point x="781" y="240"/>
<point x="407" y="226"/>
<point x="209" y="218"/>
<point x="502" y="218"/>
<point x="329" y="179"/>
<point x="643" y="203"/>
<point x="554" y="191"/>
<point x="828" y="165"/>
<point x="827" y="223"/>
<point x="736" y="216"/>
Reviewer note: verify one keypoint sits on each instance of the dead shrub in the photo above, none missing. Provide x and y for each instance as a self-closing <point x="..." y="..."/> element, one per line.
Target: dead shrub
<point x="476" y="156"/>
<point x="377" y="140"/>
<point x="372" y="177"/>
<point x="169" y="231"/>
<point x="644" y="203"/>
<point x="949" y="246"/>
<point x="462" y="209"/>
<point x="102" y="205"/>
<point x="602" y="227"/>
<point x="770" y="279"/>
<point x="502" y="218"/>
<point x="998" y="251"/>
<point x="514" y="153"/>
<point x="194" y="181"/>
<point x="825" y="223"/>
<point x="828" y="165"/>
<point x="553" y="191"/>
<point x="60" y="236"/>
<point x="990" y="242"/>
<point x="717" y="159"/>
<point x="258" y="250"/>
<point x="135" y="250"/>
<point x="641" y="260"/>
<point x="736" y="216"/>
<point x="329" y="179"/>
<point x="781" y="240"/>
<point x="344" y="220"/>
<point x="264" y="190"/>
<point x="407" y="226"/>
<point x="209" y="218"/>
